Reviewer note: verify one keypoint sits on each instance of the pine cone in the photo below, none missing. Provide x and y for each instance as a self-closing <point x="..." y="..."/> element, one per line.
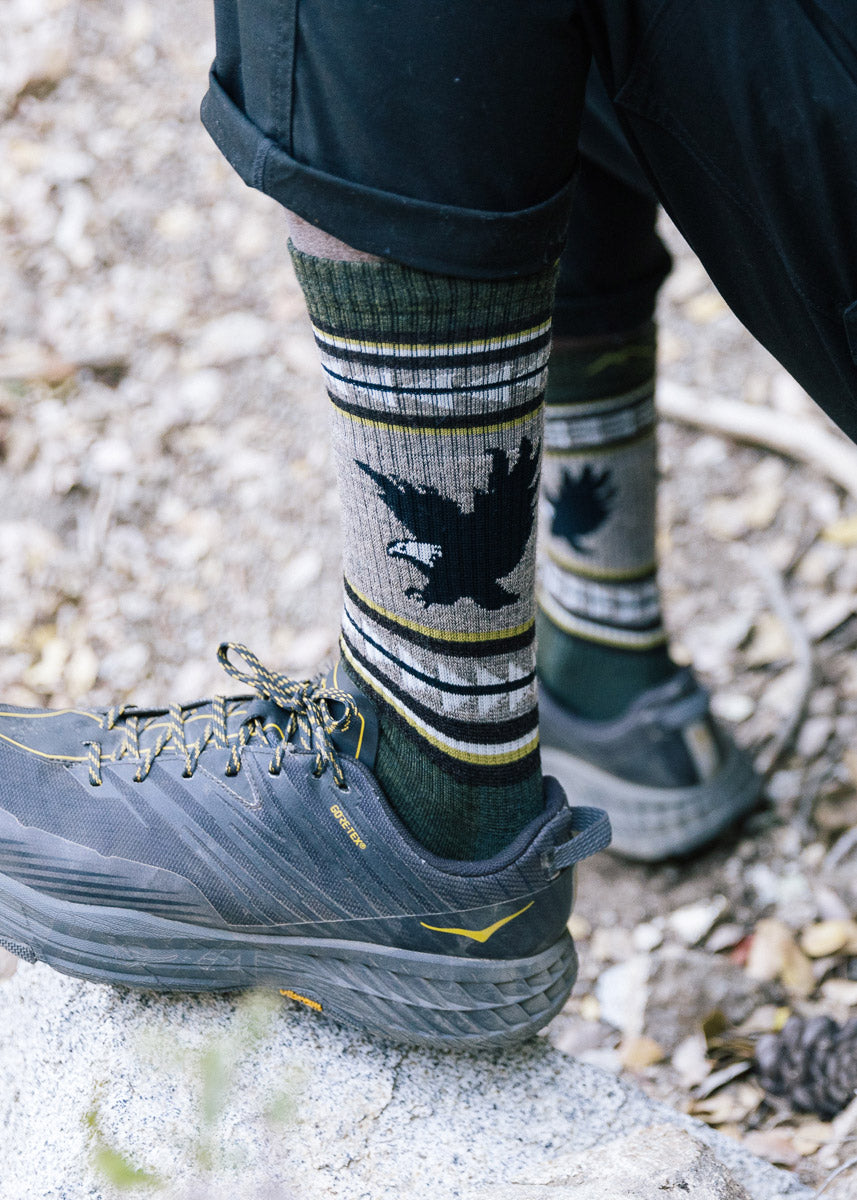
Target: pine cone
<point x="813" y="1063"/>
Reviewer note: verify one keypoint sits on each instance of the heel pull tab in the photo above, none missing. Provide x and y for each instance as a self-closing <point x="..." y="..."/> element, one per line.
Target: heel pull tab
<point x="592" y="832"/>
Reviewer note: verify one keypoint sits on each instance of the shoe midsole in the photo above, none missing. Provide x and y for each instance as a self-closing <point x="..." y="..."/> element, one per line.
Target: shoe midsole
<point x="108" y="942"/>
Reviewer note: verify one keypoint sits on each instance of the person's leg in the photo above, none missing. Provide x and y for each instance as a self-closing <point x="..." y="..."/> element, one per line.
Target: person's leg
<point x="436" y="384"/>
<point x="742" y="118"/>
<point x="290" y="835"/>
<point x="620" y="721"/>
<point x="601" y="637"/>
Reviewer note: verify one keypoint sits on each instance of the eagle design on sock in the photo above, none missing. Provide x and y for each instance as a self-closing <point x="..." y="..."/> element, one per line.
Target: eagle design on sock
<point x="583" y="505"/>
<point x="465" y="553"/>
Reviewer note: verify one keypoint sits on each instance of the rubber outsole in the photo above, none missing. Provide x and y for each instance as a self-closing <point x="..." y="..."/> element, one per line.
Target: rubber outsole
<point x="403" y="996"/>
<point x="650" y="824"/>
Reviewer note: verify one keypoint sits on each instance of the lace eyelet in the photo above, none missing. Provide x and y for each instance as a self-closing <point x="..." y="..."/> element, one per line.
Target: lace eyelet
<point x="342" y="787"/>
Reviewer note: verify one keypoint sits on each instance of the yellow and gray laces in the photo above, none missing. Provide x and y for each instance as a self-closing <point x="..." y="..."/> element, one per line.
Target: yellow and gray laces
<point x="305" y="704"/>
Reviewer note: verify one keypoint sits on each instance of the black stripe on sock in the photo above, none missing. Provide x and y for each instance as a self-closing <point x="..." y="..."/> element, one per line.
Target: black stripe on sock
<point x="417" y="362"/>
<point x="649" y="627"/>
<point x="465" y="731"/>
<point x="487" y="775"/>
<point x="454" y="689"/>
<point x="438" y="391"/>
<point x="490" y="648"/>
<point x="512" y="412"/>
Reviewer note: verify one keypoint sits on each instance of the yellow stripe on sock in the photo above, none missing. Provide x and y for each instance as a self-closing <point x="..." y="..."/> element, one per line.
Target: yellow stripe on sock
<point x="487" y="760"/>
<point x="431" y="431"/>
<point x="601" y="574"/>
<point x="488" y="635"/>
<point x="433" y="349"/>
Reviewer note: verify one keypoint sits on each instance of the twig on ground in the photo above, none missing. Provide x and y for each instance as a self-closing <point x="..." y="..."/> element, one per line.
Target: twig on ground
<point x="846" y="1166"/>
<point x="805" y="440"/>
<point x="841" y="849"/>
<point x="775" y="588"/>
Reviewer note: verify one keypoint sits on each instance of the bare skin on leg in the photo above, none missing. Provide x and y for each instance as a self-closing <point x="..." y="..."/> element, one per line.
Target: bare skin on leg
<point x="311" y="240"/>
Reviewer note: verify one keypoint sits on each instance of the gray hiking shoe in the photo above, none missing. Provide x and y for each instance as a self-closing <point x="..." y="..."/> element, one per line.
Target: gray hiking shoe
<point x="244" y="842"/>
<point x="667" y="775"/>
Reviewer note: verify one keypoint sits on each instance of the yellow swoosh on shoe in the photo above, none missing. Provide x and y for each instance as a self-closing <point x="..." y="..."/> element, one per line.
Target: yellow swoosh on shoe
<point x="480" y="935"/>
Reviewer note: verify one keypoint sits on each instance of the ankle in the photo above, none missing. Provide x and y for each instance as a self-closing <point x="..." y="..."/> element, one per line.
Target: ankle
<point x="452" y="818"/>
<point x="597" y="681"/>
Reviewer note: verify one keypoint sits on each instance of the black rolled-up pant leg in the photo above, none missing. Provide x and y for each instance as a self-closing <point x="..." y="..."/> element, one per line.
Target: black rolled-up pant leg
<point x="744" y="117"/>
<point x="614" y="262"/>
<point x="441" y="135"/>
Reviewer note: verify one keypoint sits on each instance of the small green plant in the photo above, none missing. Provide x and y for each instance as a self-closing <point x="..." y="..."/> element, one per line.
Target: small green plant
<point x="214" y="1071"/>
<point x="109" y="1162"/>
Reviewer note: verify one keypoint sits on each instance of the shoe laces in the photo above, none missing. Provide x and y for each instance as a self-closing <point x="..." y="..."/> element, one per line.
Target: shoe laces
<point x="305" y="703"/>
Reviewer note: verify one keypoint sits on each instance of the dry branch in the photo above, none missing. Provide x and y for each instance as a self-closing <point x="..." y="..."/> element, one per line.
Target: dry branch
<point x="805" y="440"/>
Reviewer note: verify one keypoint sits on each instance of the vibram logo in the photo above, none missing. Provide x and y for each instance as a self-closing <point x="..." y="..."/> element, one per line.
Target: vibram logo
<point x="480" y="935"/>
<point x="302" y="999"/>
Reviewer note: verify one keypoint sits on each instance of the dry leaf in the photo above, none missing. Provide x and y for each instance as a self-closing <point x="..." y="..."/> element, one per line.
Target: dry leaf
<point x="731" y="1105"/>
<point x="843" y="533"/>
<point x="829" y="937"/>
<point x="691" y="1061"/>
<point x="774" y="954"/>
<point x="637" y="1053"/>
<point x="837" y="810"/>
<point x="812" y="1136"/>
<point x="771" y="642"/>
<point x="773" y="1144"/>
<point x="590" y="1009"/>
<point x="708" y="306"/>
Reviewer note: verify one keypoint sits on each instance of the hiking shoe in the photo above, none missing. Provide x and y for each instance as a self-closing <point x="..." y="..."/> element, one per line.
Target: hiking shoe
<point x="668" y="776"/>
<point x="244" y="842"/>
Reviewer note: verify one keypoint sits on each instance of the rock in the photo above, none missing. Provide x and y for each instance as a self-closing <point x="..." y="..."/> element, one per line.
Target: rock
<point x="227" y="339"/>
<point x="621" y="992"/>
<point x="733" y="707"/>
<point x="813" y="737"/>
<point x="657" y="1163"/>
<point x="687" y="987"/>
<point x="304" y="1107"/>
<point x="692" y="922"/>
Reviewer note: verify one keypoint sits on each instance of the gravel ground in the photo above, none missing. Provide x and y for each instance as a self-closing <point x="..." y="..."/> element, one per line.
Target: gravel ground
<point x="166" y="485"/>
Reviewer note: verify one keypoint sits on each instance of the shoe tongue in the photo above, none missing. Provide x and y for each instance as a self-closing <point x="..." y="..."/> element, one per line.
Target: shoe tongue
<point x="360" y="739"/>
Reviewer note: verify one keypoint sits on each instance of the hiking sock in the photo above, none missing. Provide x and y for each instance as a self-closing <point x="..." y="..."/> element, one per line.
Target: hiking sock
<point x="601" y="636"/>
<point x="436" y="387"/>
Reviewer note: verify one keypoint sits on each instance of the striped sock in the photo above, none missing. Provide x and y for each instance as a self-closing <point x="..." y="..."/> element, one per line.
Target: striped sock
<point x="601" y="636"/>
<point x="437" y="388"/>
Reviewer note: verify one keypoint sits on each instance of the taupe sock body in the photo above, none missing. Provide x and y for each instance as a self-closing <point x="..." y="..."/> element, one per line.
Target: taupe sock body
<point x="436" y="386"/>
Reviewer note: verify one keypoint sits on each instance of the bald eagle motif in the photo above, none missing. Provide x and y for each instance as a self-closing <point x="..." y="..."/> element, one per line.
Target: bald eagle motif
<point x="465" y="553"/>
<point x="583" y="505"/>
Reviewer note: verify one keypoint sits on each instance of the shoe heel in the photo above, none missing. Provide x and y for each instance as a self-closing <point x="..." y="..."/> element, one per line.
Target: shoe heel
<point x="440" y="1000"/>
